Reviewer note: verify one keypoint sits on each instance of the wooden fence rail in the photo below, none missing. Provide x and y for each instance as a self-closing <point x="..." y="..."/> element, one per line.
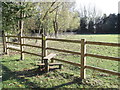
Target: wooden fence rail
<point x="103" y="43"/>
<point x="31" y="45"/>
<point x="13" y="49"/>
<point x="66" y="51"/>
<point x="64" y="40"/>
<point x="82" y="52"/>
<point x="13" y="43"/>
<point x="75" y="64"/>
<point x="11" y="36"/>
<point x="32" y="53"/>
<point x="103" y="70"/>
<point x="31" y="37"/>
<point x="103" y="57"/>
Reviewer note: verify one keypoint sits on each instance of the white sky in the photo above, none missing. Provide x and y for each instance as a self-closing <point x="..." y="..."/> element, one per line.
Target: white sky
<point x="106" y="6"/>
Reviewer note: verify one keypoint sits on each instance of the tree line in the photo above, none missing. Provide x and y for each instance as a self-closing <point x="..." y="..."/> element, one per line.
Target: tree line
<point x="102" y="25"/>
<point x="52" y="18"/>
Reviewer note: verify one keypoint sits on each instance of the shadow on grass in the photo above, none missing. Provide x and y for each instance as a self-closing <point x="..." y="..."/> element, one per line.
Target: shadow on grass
<point x="11" y="60"/>
<point x="20" y="76"/>
<point x="8" y="74"/>
<point x="1" y="54"/>
<point x="69" y="83"/>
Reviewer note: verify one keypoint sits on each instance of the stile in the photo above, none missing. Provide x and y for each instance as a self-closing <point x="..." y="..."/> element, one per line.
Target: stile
<point x="46" y="61"/>
<point x="46" y="65"/>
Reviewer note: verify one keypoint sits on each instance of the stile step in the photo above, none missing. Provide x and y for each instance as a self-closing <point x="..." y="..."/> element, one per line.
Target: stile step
<point x="50" y="64"/>
<point x="41" y="65"/>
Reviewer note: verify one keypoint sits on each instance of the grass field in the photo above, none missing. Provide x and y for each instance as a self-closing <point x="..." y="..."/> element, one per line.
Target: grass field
<point x="24" y="74"/>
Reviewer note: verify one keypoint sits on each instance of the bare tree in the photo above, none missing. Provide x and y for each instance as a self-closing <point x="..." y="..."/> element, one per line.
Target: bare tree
<point x="90" y="14"/>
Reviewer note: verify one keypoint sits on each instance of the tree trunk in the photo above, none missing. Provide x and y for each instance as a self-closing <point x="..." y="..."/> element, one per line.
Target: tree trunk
<point x="21" y="21"/>
<point x="56" y="34"/>
<point x="56" y="30"/>
<point x="55" y="25"/>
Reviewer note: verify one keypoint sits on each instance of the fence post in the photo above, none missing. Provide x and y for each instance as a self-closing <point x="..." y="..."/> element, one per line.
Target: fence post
<point x="21" y="48"/>
<point x="42" y="49"/>
<point x="44" y="45"/>
<point x="23" y="42"/>
<point x="7" y="39"/>
<point x="83" y="59"/>
<point x="3" y="40"/>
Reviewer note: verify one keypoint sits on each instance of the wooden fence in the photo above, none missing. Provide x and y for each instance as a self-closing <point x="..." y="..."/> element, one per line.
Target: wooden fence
<point x="82" y="52"/>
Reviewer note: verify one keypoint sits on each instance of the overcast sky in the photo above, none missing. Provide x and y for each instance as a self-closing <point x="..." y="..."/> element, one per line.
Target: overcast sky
<point x="106" y="6"/>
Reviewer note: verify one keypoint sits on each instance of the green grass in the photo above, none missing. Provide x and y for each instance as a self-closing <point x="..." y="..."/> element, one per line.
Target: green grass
<point x="24" y="74"/>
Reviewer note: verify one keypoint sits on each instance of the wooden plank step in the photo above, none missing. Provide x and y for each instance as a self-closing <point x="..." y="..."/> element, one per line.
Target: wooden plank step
<point x="49" y="56"/>
<point x="50" y="64"/>
<point x="10" y="46"/>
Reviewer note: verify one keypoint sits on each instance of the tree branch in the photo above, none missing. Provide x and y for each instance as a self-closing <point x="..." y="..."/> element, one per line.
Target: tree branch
<point x="55" y="8"/>
<point x="48" y="10"/>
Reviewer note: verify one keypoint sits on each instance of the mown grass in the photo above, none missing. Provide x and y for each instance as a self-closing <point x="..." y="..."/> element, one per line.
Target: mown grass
<point x="24" y="74"/>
